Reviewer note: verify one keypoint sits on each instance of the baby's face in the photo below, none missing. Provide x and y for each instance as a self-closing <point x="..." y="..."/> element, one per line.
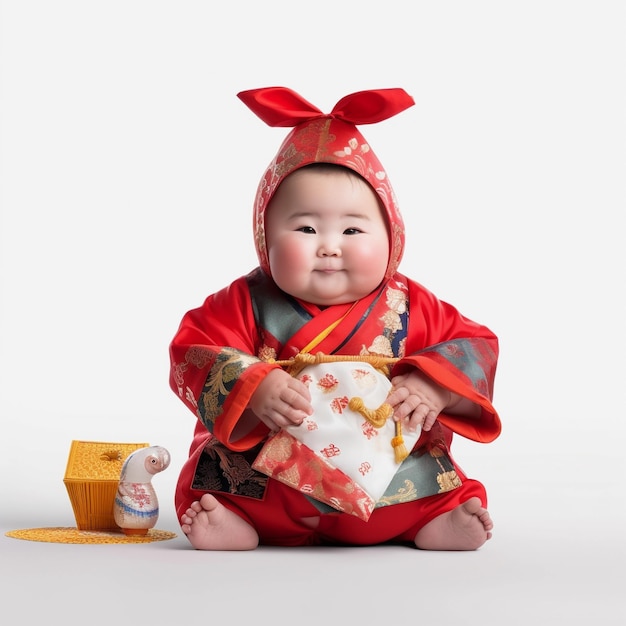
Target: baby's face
<point x="326" y="236"/>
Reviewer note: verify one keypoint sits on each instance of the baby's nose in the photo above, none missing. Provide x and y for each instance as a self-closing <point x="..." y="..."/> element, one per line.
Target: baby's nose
<point x="330" y="251"/>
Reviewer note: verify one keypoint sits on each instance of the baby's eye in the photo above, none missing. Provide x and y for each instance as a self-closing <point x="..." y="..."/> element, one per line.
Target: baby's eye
<point x="306" y="229"/>
<point x="352" y="231"/>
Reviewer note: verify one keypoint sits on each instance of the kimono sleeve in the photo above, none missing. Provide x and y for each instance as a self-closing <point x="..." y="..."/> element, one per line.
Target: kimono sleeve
<point x="457" y="353"/>
<point x="213" y="367"/>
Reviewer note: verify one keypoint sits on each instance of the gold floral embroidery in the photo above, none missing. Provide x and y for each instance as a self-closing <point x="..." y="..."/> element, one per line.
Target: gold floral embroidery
<point x="403" y="494"/>
<point x="394" y="321"/>
<point x="266" y="353"/>
<point x="380" y="345"/>
<point x="396" y="300"/>
<point x="448" y="481"/>
<point x="288" y="160"/>
<point x="226" y="370"/>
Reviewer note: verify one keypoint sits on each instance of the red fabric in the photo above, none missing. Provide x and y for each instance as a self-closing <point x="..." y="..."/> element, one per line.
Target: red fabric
<point x="281" y="106"/>
<point x="277" y="518"/>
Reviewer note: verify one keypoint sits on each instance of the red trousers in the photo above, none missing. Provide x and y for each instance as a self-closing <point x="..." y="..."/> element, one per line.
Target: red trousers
<point x="277" y="518"/>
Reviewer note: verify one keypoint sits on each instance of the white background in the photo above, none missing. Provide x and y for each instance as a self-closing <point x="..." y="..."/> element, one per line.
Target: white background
<point x="128" y="171"/>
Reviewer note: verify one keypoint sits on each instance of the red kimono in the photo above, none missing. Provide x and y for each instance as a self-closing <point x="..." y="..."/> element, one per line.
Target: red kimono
<point x="224" y="348"/>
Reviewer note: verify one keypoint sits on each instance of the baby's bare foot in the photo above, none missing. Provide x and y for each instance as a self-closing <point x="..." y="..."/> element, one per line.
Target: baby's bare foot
<point x="209" y="525"/>
<point x="467" y="527"/>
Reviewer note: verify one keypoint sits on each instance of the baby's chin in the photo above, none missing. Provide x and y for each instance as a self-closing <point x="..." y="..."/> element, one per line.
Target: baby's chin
<point x="326" y="302"/>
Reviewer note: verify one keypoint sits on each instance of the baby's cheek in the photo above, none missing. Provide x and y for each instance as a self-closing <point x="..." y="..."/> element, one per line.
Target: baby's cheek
<point x="288" y="255"/>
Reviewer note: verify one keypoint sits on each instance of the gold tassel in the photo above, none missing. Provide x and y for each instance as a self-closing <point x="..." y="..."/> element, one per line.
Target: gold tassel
<point x="398" y="444"/>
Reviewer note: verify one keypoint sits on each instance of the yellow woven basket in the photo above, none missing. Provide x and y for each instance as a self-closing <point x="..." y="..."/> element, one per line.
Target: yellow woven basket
<point x="91" y="479"/>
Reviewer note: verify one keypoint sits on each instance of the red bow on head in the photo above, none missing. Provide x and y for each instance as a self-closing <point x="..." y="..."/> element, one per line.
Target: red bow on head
<point x="280" y="106"/>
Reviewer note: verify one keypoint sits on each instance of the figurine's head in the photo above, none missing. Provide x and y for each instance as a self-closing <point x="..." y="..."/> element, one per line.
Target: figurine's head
<point x="144" y="463"/>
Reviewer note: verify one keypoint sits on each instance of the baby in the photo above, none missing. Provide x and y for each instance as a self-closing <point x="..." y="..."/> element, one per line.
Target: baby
<point x="329" y="238"/>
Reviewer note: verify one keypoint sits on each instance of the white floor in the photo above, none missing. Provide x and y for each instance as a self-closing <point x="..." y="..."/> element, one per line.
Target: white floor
<point x="557" y="557"/>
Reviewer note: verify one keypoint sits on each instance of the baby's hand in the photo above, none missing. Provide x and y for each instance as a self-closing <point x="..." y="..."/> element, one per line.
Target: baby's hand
<point x="281" y="400"/>
<point x="417" y="399"/>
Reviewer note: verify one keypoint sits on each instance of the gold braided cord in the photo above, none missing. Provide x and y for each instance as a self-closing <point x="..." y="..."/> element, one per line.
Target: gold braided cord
<point x="376" y="417"/>
<point x="296" y="364"/>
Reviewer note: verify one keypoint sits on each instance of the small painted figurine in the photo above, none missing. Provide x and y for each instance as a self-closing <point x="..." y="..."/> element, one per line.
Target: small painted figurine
<point x="136" y="507"/>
